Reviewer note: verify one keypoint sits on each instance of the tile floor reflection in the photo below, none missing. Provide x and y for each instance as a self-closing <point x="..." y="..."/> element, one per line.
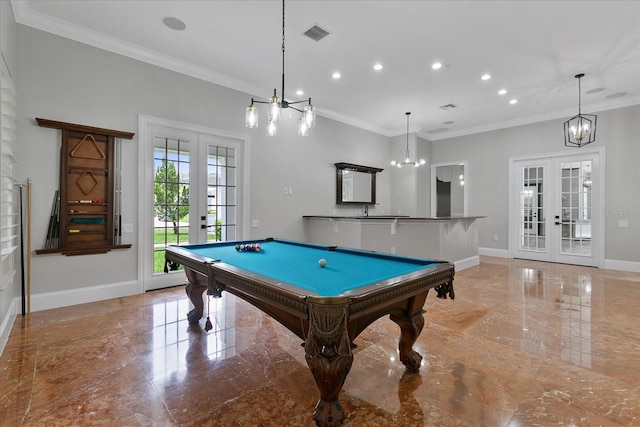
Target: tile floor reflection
<point x="523" y="344"/>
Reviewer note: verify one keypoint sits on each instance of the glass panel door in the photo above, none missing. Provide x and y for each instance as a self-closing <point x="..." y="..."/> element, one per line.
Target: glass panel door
<point x="192" y="193"/>
<point x="532" y="240"/>
<point x="576" y="208"/>
<point x="557" y="200"/>
<point x="221" y="193"/>
<point x="180" y="203"/>
<point x="578" y="227"/>
<point x="171" y="185"/>
<point x="532" y="236"/>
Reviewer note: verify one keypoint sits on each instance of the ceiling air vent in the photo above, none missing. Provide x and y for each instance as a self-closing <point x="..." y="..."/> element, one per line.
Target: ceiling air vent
<point x="447" y="107"/>
<point x="316" y="33"/>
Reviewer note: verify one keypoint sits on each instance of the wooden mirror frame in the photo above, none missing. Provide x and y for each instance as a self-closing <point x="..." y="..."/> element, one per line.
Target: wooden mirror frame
<point x="340" y="168"/>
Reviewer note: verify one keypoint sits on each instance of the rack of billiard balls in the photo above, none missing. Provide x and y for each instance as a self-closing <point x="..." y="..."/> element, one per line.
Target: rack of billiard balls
<point x="252" y="247"/>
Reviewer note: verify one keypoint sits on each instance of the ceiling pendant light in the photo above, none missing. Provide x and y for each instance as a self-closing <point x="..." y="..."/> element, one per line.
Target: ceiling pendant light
<point x="407" y="161"/>
<point x="580" y="130"/>
<point x="275" y="105"/>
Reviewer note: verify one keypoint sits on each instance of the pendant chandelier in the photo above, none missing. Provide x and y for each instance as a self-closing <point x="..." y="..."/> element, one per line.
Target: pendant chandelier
<point x="275" y="105"/>
<point x="407" y="160"/>
<point x="580" y="130"/>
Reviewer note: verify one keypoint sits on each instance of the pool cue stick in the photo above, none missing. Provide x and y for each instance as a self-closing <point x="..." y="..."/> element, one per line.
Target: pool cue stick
<point x="29" y="245"/>
<point x="22" y="278"/>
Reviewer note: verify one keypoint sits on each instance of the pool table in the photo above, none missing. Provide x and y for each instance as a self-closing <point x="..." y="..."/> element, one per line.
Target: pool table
<point x="326" y="306"/>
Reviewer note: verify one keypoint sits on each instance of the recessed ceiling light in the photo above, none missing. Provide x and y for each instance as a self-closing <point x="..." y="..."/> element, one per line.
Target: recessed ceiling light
<point x="377" y="67"/>
<point x="502" y="91"/>
<point x="299" y="92"/>
<point x="486" y="76"/>
<point x="336" y="75"/>
<point x="448" y="122"/>
<point x="596" y="90"/>
<point x="436" y="65"/>
<point x="513" y="101"/>
<point x="174" y="23"/>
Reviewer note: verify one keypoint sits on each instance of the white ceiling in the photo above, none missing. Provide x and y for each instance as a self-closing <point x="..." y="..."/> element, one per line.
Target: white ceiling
<point x="531" y="48"/>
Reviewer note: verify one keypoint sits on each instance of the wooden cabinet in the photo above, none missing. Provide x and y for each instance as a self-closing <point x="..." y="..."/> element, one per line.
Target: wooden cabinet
<point x="86" y="220"/>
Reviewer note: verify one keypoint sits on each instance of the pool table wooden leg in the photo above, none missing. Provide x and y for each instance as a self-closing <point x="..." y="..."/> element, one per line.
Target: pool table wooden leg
<point x="328" y="354"/>
<point x="410" y="328"/>
<point x="196" y="285"/>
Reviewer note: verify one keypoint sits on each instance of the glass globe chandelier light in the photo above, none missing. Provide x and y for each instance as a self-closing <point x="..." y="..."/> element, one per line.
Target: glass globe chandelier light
<point x="580" y="130"/>
<point x="407" y="160"/>
<point x="275" y="105"/>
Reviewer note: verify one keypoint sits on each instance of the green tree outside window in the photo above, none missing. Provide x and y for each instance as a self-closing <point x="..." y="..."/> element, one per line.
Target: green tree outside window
<point x="171" y="197"/>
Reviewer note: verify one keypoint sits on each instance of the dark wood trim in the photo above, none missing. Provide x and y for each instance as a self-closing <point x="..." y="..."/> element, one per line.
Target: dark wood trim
<point x="358" y="168"/>
<point x="46" y="123"/>
<point x="82" y="251"/>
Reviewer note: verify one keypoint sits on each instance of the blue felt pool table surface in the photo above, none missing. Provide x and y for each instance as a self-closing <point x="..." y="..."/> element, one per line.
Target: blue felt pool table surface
<point x="297" y="264"/>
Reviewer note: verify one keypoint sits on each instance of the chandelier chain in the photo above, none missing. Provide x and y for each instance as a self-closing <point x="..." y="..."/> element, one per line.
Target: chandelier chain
<point x="579" y="97"/>
<point x="407" y="134"/>
<point x="282" y="93"/>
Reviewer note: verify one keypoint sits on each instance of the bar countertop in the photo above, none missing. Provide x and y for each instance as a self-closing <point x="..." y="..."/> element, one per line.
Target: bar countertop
<point x="394" y="217"/>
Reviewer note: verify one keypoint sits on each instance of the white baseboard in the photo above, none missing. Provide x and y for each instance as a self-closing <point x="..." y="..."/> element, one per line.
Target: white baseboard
<point x="69" y="297"/>
<point x="609" y="264"/>
<point x="499" y="253"/>
<point x="7" y="323"/>
<point x="613" y="264"/>
<point x="466" y="263"/>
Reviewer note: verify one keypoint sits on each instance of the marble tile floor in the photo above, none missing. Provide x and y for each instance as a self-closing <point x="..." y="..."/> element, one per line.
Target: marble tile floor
<point x="523" y="344"/>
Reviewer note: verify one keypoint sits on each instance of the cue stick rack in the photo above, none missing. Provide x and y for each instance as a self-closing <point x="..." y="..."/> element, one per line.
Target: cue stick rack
<point x="85" y="215"/>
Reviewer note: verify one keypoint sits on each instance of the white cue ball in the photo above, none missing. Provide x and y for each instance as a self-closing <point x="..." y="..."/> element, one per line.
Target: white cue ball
<point x="322" y="262"/>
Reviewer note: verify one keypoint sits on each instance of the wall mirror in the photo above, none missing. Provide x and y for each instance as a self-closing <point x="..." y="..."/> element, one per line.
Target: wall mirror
<point x="355" y="184"/>
<point x="448" y="189"/>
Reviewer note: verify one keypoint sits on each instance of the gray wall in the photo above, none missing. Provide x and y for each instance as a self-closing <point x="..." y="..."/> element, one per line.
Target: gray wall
<point x="487" y="176"/>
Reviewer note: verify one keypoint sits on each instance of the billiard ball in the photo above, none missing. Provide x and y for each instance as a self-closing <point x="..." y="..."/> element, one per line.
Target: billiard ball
<point x="322" y="262"/>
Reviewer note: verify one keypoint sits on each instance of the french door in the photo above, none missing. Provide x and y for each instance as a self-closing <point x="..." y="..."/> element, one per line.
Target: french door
<point x="193" y="193"/>
<point x="555" y="209"/>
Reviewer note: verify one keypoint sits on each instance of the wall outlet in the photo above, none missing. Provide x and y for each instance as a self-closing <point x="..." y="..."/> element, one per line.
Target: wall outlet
<point x="623" y="224"/>
<point x="127" y="227"/>
<point x="393" y="249"/>
<point x="255" y="223"/>
<point x="495" y="237"/>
